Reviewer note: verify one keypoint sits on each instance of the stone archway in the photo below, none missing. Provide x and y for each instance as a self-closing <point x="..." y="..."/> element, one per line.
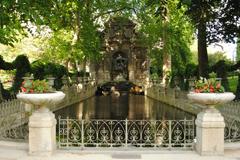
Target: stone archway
<point x="119" y="70"/>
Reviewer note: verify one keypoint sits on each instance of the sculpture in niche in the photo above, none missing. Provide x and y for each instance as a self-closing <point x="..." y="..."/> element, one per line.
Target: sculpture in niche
<point x="119" y="67"/>
<point x="120" y="63"/>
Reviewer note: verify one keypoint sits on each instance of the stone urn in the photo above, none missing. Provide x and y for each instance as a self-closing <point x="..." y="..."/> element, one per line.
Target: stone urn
<point x="210" y="123"/>
<point x="211" y="99"/>
<point x="41" y="100"/>
<point x="42" y="123"/>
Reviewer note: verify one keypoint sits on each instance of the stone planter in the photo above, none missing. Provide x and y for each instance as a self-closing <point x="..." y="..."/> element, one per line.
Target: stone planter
<point x="210" y="123"/>
<point x="211" y="99"/>
<point x="41" y="100"/>
<point x="42" y="123"/>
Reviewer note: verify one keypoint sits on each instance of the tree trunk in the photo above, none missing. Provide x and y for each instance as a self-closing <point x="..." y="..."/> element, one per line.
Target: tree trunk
<point x="238" y="49"/>
<point x="67" y="64"/>
<point x="202" y="50"/>
<point x="166" y="55"/>
<point x="166" y="67"/>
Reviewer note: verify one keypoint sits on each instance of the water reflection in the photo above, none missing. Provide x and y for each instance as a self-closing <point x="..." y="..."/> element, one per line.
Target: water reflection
<point x="126" y="106"/>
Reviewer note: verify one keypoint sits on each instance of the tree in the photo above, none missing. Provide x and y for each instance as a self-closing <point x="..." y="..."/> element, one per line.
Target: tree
<point x="76" y="26"/>
<point x="200" y="12"/>
<point x="165" y="26"/>
<point x="217" y="56"/>
<point x="15" y="16"/>
<point x="215" y="20"/>
<point x="59" y="47"/>
<point x="162" y="12"/>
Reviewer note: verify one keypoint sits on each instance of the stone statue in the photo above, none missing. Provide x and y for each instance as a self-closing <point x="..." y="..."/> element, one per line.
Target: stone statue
<point x="120" y="63"/>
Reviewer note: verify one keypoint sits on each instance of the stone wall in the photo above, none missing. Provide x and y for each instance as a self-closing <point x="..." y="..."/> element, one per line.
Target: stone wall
<point x="75" y="94"/>
<point x="173" y="97"/>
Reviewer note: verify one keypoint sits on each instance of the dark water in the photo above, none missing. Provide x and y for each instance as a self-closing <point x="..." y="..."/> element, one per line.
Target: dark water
<point x="126" y="106"/>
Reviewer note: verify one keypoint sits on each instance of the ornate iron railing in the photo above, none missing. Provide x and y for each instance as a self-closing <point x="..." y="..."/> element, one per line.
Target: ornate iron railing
<point x="13" y="121"/>
<point x="232" y="130"/>
<point x="231" y="112"/>
<point x="17" y="133"/>
<point x="126" y="133"/>
<point x="14" y="114"/>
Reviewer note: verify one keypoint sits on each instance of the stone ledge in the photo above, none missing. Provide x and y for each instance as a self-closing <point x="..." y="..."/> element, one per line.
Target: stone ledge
<point x="15" y="145"/>
<point x="232" y="145"/>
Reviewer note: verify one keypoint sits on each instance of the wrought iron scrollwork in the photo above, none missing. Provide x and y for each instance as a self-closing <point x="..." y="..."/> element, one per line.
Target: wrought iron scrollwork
<point x="125" y="133"/>
<point x="232" y="130"/>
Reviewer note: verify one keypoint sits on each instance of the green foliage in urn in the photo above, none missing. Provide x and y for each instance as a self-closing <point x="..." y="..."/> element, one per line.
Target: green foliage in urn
<point x="211" y="85"/>
<point x="35" y="86"/>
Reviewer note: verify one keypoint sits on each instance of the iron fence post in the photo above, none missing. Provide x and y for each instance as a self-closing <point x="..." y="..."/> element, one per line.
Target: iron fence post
<point x="184" y="132"/>
<point x="193" y="131"/>
<point x="82" y="133"/>
<point x="59" y="141"/>
<point x="170" y="135"/>
<point x="67" y="132"/>
<point x="126" y="132"/>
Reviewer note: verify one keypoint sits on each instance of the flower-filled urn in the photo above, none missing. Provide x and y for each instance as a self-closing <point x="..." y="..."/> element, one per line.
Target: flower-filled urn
<point x="38" y="93"/>
<point x="210" y="92"/>
<point x="42" y="123"/>
<point x="210" y="123"/>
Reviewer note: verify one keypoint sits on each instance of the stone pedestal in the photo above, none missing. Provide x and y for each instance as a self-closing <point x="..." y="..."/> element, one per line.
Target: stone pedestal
<point x="210" y="132"/>
<point x="42" y="133"/>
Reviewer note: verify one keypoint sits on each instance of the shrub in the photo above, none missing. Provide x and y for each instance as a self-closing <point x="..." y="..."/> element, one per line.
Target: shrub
<point x="22" y="65"/>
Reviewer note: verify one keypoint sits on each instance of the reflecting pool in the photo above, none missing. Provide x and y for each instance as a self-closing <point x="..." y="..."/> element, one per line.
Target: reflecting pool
<point x="127" y="106"/>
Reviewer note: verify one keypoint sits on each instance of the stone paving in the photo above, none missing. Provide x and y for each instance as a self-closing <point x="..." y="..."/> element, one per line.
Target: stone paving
<point x="19" y="151"/>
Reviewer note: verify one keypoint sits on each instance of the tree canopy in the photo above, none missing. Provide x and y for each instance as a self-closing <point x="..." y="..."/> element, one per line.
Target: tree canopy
<point x="167" y="26"/>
